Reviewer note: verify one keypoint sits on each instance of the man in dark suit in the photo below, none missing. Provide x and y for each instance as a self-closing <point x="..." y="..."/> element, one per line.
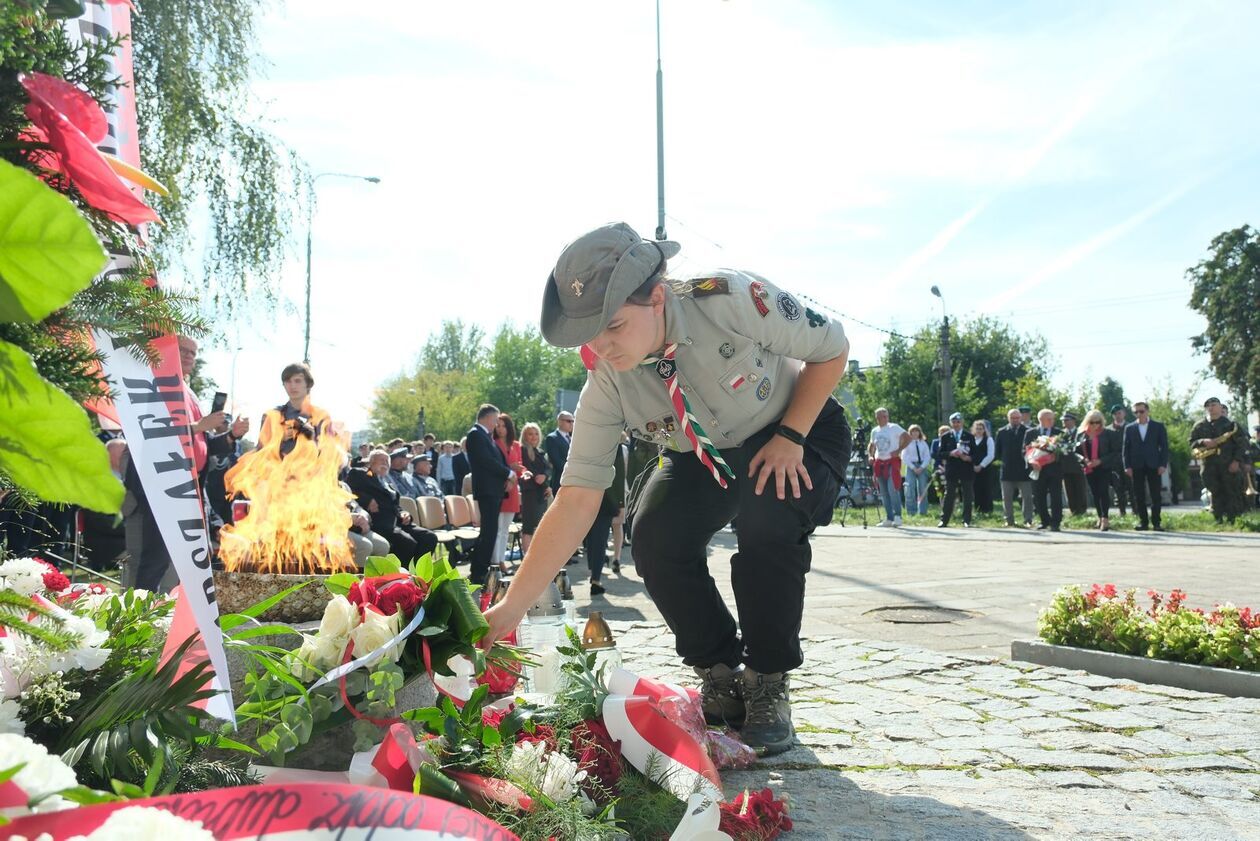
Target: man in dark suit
<point x="459" y="465"/>
<point x="1073" y="471"/>
<point x="957" y="446"/>
<point x="1145" y="461"/>
<point x="491" y="478"/>
<point x="1049" y="481"/>
<point x="1010" y="451"/>
<point x="557" y="447"/>
<point x="379" y="499"/>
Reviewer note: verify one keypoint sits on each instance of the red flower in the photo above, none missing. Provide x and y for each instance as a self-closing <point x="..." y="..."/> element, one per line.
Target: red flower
<point x="543" y="733"/>
<point x="493" y="718"/>
<point x="55" y="581"/>
<point x="362" y="593"/>
<point x="393" y="592"/>
<point x="754" y="817"/>
<point x="599" y="755"/>
<point x="67" y="133"/>
<point x="1175" y="598"/>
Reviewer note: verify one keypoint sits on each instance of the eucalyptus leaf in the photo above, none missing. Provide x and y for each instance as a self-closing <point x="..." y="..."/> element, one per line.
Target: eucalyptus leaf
<point x="46" y="442"/>
<point x="48" y="251"/>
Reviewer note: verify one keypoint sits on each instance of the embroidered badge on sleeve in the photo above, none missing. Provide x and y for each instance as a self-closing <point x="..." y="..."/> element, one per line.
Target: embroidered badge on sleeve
<point x="758" y="291"/>
<point x="787" y="306"/>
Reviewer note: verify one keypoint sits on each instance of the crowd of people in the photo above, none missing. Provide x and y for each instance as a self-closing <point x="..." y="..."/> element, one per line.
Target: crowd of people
<point x="1083" y="461"/>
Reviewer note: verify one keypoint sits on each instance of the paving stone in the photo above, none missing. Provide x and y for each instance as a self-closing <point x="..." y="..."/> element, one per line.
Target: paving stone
<point x="915" y="755"/>
<point x="910" y="733"/>
<point x="1070" y="779"/>
<point x="1046" y="723"/>
<point x="1213" y="785"/>
<point x="956" y="728"/>
<point x="1137" y="781"/>
<point x="1198" y="762"/>
<point x="1063" y="759"/>
<point x="1047" y="702"/>
<point x="1111" y="719"/>
<point x="1092" y="681"/>
<point x="969" y="757"/>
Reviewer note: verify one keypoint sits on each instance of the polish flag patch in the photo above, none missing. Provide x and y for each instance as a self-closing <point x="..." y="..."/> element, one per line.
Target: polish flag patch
<point x="737" y="381"/>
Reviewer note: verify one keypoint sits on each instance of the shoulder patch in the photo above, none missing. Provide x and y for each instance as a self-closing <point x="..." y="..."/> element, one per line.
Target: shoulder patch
<point x="700" y="287"/>
<point x="787" y="306"/>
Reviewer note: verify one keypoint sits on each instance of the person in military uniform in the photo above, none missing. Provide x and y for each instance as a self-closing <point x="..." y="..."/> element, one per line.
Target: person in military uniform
<point x="1073" y="471"/>
<point x="732" y="377"/>
<point x="1222" y="469"/>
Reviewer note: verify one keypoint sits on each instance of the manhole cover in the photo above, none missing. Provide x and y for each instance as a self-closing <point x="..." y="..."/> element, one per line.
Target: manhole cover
<point x="919" y="614"/>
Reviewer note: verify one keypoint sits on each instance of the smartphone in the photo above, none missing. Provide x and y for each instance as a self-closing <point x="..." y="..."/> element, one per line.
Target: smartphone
<point x="219" y="403"/>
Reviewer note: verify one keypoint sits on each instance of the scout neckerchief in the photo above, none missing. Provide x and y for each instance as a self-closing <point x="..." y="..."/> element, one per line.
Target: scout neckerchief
<point x="667" y="370"/>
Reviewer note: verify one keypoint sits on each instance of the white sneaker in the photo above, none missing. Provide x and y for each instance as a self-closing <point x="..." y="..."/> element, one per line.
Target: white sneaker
<point x="897" y="521"/>
<point x="883" y="524"/>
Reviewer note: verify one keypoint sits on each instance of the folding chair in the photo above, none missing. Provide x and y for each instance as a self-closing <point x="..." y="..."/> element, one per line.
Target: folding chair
<point x="408" y="504"/>
<point x="433" y="518"/>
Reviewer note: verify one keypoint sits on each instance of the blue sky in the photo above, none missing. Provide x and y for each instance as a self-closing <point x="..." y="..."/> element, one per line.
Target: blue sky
<point x="1057" y="165"/>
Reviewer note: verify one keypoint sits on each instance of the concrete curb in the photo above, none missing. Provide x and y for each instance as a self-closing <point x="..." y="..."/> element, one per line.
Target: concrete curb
<point x="1238" y="684"/>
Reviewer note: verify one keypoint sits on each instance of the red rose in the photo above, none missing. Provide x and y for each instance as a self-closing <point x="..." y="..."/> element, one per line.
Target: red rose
<point x="493" y="718"/>
<point x="599" y="755"/>
<point x="394" y="592"/>
<point x="754" y="817"/>
<point x="362" y="593"/>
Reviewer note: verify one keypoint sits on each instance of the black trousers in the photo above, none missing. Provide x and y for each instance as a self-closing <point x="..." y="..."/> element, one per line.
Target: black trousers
<point x="486" y="538"/>
<point x="681" y="507"/>
<point x="984" y="490"/>
<point x="596" y="544"/>
<point x="1074" y="484"/>
<point x="1120" y="481"/>
<point x="1049" y="484"/>
<point x="962" y="484"/>
<point x="1146" y="479"/>
<point x="1100" y="487"/>
<point x="410" y="542"/>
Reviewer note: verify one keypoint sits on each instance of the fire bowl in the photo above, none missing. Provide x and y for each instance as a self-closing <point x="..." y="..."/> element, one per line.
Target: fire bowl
<point x="237" y="591"/>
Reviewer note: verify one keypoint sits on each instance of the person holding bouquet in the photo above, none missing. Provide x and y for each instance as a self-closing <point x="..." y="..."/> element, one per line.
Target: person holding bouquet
<point x="1100" y="457"/>
<point x="1041" y="442"/>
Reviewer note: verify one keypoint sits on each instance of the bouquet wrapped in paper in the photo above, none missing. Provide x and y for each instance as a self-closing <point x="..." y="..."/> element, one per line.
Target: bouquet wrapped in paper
<point x="1040" y="453"/>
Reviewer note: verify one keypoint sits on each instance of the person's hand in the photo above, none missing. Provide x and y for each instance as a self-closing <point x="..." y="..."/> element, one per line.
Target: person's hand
<point x="539" y="479"/>
<point x="360" y="522"/>
<point x="507" y="485"/>
<point x="1233" y="467"/>
<point x="214" y="420"/>
<point x="964" y="457"/>
<point x="1128" y="471"/>
<point x="977" y="468"/>
<point x="372" y="507"/>
<point x="1158" y="470"/>
<point x="1094" y="462"/>
<point x="404" y="518"/>
<point x="526" y="476"/>
<point x="503" y="620"/>
<point x="784" y="461"/>
<point x="240" y="426"/>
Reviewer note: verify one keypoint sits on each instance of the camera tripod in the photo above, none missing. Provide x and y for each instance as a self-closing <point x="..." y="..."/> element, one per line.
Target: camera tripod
<point x="864" y="477"/>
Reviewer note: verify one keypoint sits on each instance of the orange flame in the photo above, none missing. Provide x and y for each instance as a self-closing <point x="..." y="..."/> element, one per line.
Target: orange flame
<point x="298" y="520"/>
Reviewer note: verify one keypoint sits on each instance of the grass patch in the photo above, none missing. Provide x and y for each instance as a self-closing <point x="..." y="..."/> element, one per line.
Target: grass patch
<point x="1197" y="521"/>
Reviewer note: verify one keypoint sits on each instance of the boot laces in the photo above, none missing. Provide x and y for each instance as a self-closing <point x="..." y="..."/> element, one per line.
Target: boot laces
<point x="760" y="700"/>
<point x="716" y="689"/>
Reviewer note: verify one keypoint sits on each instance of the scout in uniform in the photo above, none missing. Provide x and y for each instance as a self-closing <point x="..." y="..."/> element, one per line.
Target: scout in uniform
<point x="1219" y="444"/>
<point x="732" y="377"/>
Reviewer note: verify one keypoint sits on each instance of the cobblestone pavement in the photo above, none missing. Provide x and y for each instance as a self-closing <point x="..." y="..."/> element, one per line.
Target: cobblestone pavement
<point x="900" y="742"/>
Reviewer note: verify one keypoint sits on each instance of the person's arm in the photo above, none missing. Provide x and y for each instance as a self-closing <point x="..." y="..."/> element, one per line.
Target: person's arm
<point x="560" y="532"/>
<point x="783" y="459"/>
<point x="1161" y="449"/>
<point x="903" y="441"/>
<point x="989" y="452"/>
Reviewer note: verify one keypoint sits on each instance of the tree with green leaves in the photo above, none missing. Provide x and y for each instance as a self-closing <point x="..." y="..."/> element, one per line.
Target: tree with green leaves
<point x="1226" y="291"/>
<point x="523" y="373"/>
<point x="1111" y="393"/>
<point x="194" y="60"/>
<point x="454" y="347"/>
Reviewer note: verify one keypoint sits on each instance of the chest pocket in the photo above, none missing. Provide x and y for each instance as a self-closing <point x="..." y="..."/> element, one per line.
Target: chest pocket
<point x="745" y="370"/>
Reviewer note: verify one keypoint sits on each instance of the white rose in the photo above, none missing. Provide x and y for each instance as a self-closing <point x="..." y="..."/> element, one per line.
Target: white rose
<point x="146" y="822"/>
<point x="375" y="631"/>
<point x="328" y="651"/>
<point x="340" y="617"/>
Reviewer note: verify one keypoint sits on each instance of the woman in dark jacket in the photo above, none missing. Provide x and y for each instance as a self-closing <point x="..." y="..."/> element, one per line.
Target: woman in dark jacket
<point x="535" y="490"/>
<point x="1100" y="455"/>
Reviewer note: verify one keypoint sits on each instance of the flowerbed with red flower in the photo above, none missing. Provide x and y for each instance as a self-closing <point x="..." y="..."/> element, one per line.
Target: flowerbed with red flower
<point x="1105" y="619"/>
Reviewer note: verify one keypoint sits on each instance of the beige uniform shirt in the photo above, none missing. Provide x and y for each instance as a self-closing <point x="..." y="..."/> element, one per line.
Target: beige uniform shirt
<point x="741" y="341"/>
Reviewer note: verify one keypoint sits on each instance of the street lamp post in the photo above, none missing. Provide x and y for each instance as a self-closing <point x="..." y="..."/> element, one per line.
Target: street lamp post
<point x="310" y="220"/>
<point x="947" y="375"/>
<point x="660" y="133"/>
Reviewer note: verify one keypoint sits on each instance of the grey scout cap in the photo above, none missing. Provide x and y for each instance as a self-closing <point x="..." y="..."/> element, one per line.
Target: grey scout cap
<point x="594" y="276"/>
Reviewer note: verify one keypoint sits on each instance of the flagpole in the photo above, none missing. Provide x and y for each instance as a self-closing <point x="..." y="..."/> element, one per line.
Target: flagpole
<point x="660" y="133"/>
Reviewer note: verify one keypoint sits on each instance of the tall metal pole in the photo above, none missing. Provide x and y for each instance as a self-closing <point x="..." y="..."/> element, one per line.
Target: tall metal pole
<point x="310" y="218"/>
<point x="947" y="374"/>
<point x="660" y="133"/>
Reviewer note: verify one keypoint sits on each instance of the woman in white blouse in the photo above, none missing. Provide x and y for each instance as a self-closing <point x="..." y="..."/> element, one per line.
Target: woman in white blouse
<point x="983" y="454"/>
<point x="917" y="459"/>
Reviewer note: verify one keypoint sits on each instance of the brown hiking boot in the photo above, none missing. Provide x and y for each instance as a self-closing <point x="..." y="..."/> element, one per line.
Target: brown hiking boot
<point x="768" y="722"/>
<point x="721" y="694"/>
